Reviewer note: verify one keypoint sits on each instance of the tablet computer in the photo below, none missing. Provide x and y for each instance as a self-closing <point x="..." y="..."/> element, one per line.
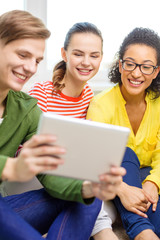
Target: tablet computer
<point x="91" y="147"/>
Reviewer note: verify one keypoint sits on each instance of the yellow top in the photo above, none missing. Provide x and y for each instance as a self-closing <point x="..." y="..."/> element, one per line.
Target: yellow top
<point x="109" y="107"/>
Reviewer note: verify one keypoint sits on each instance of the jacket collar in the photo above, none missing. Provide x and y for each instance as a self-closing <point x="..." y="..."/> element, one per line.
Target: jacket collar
<point x="18" y="105"/>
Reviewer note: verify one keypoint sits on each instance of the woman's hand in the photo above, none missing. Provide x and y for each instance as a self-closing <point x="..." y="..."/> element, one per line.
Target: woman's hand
<point x="151" y="189"/>
<point x="134" y="199"/>
<point x="37" y="155"/>
<point x="106" y="189"/>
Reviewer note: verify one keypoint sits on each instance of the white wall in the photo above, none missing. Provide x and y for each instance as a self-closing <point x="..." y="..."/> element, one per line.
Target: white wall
<point x="39" y="9"/>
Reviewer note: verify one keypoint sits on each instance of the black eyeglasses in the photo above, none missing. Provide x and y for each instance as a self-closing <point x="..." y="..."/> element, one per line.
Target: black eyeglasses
<point x="144" y="68"/>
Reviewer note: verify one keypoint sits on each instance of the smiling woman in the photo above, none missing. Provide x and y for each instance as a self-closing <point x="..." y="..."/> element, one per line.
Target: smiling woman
<point x="144" y="70"/>
<point x="69" y="94"/>
<point x="134" y="103"/>
<point x="108" y="16"/>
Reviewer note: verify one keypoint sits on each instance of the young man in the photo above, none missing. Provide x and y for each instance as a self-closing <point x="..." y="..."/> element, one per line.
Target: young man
<point x="22" y="44"/>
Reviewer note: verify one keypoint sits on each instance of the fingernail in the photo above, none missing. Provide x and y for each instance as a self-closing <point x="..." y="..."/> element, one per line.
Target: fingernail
<point x="53" y="138"/>
<point x="101" y="177"/>
<point x="62" y="150"/>
<point x="62" y="161"/>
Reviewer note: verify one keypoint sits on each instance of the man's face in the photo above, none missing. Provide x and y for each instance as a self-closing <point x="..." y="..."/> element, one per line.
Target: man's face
<point x="19" y="60"/>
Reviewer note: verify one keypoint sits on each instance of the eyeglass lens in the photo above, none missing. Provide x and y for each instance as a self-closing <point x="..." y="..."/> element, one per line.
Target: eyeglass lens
<point x="130" y="66"/>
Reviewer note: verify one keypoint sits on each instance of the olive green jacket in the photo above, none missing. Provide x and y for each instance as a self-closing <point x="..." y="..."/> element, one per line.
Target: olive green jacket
<point x="19" y="125"/>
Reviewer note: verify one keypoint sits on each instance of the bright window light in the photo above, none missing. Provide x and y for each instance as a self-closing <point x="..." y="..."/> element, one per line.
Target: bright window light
<point x="115" y="19"/>
<point x="9" y="5"/>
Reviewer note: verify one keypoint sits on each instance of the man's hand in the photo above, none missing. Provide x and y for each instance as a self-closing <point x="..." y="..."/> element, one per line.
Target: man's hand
<point x="37" y="155"/>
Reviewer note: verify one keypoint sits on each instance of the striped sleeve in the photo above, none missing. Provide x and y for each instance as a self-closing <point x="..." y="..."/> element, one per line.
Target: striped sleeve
<point x="38" y="92"/>
<point x="50" y="101"/>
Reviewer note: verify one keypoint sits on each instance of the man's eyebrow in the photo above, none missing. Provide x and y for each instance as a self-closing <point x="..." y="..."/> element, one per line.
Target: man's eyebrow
<point x="23" y="50"/>
<point x="40" y="58"/>
<point x="28" y="53"/>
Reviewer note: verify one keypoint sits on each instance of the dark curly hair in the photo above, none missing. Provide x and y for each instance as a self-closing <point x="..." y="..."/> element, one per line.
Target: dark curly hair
<point x="60" y="68"/>
<point x="138" y="36"/>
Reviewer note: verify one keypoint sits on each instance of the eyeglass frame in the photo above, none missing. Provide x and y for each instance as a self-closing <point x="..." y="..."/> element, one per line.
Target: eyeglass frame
<point x="138" y="65"/>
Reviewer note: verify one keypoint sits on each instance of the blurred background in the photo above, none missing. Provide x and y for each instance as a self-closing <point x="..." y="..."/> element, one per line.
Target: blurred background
<point x="115" y="19"/>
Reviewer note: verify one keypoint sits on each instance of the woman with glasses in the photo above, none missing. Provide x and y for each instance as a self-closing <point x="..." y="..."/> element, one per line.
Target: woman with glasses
<point x="134" y="102"/>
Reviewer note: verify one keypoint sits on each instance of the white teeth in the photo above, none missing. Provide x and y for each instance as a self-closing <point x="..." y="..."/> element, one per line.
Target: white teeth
<point x="135" y="83"/>
<point x="85" y="71"/>
<point x="20" y="76"/>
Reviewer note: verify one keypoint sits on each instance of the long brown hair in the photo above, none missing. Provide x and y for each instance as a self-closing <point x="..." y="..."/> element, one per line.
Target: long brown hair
<point x="60" y="68"/>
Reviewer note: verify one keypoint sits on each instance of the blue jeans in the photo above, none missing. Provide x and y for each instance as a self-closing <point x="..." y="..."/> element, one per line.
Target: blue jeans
<point x="133" y="223"/>
<point x="29" y="215"/>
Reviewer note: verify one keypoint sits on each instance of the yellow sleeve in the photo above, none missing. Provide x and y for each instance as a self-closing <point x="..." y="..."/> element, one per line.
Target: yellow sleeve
<point x="154" y="175"/>
<point x="95" y="112"/>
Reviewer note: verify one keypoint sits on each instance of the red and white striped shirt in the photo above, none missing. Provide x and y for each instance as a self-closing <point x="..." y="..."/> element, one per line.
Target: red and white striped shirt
<point x="59" y="103"/>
